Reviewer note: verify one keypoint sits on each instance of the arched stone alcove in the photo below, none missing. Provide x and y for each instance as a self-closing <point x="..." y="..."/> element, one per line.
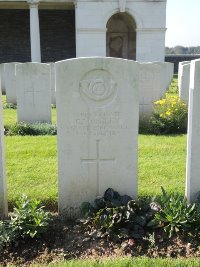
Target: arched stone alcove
<point x="121" y="36"/>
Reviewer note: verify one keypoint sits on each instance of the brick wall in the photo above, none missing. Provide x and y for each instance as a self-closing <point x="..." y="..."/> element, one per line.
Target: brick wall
<point x="14" y="36"/>
<point x="57" y="33"/>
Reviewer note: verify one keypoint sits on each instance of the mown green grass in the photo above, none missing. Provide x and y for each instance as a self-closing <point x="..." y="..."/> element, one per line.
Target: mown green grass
<point x="129" y="262"/>
<point x="32" y="165"/>
<point x="162" y="161"/>
<point x="173" y="88"/>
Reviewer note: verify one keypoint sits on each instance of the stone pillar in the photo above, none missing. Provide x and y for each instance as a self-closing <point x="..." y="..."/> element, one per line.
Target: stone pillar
<point x="90" y="33"/>
<point x="34" y="31"/>
<point x="3" y="188"/>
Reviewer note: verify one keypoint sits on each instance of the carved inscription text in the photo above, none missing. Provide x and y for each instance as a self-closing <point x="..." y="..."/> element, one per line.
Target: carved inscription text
<point x="96" y="124"/>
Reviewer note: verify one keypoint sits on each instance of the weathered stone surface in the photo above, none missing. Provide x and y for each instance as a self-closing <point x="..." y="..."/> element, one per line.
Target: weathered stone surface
<point x="170" y="73"/>
<point x="166" y="74"/>
<point x="53" y="84"/>
<point x="2" y="84"/>
<point x="193" y="142"/>
<point x="153" y="81"/>
<point x="10" y="82"/>
<point x="180" y="70"/>
<point x="97" y="119"/>
<point x="33" y="92"/>
<point x="95" y="33"/>
<point x="3" y="189"/>
<point x="184" y="83"/>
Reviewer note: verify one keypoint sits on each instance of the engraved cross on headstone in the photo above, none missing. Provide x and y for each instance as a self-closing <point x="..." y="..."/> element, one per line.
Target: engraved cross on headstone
<point x="97" y="160"/>
<point x="33" y="92"/>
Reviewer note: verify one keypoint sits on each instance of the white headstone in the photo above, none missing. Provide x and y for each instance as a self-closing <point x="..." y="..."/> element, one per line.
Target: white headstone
<point x="2" y="84"/>
<point x="152" y="86"/>
<point x="3" y="190"/>
<point x="184" y="83"/>
<point x="180" y="70"/>
<point x="10" y="82"/>
<point x="193" y="142"/>
<point x="97" y="120"/>
<point x="53" y="84"/>
<point x="166" y="75"/>
<point x="33" y="92"/>
<point x="170" y="73"/>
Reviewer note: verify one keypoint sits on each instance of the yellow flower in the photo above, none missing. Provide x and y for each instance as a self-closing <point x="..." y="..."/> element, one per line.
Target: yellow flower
<point x="168" y="113"/>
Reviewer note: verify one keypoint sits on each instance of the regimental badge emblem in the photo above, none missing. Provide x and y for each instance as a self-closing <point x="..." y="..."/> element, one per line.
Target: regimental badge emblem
<point x="98" y="87"/>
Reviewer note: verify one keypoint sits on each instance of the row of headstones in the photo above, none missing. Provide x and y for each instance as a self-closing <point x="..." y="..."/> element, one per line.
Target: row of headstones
<point x="32" y="87"/>
<point x="8" y="80"/>
<point x="97" y="122"/>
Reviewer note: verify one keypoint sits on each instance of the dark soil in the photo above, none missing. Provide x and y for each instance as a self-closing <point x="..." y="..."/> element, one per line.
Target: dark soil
<point x="72" y="240"/>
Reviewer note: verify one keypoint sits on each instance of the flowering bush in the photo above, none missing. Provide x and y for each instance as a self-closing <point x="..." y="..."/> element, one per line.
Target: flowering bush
<point x="170" y="116"/>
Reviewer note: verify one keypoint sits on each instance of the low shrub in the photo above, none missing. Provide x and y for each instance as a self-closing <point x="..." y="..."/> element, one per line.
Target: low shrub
<point x="119" y="216"/>
<point x="176" y="214"/>
<point x="9" y="106"/>
<point x="28" y="220"/>
<point x="169" y="117"/>
<point x="30" y="129"/>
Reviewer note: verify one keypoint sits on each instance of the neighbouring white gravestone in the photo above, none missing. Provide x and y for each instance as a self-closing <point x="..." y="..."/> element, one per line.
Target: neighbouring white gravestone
<point x="10" y="82"/>
<point x="180" y="70"/>
<point x="53" y="84"/>
<point x="152" y="86"/>
<point x="97" y="119"/>
<point x="170" y="73"/>
<point x="2" y="84"/>
<point x="193" y="142"/>
<point x="3" y="190"/>
<point x="166" y="75"/>
<point x="184" y="82"/>
<point x="33" y="92"/>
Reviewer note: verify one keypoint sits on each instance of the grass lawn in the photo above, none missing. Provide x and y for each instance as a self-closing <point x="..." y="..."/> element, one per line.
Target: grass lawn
<point x="129" y="262"/>
<point x="32" y="165"/>
<point x="32" y="162"/>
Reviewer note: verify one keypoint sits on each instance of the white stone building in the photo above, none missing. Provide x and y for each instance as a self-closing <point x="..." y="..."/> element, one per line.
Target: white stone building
<point x="133" y="29"/>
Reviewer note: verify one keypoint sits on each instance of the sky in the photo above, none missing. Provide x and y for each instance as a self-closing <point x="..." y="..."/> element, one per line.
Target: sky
<point x="183" y="23"/>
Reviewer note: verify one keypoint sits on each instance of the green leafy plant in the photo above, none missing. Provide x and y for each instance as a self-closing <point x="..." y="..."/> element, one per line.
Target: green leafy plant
<point x="176" y="214"/>
<point x="29" y="218"/>
<point x="119" y="216"/>
<point x="30" y="129"/>
<point x="151" y="240"/>
<point x="9" y="106"/>
<point x="6" y="234"/>
<point x="169" y="117"/>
